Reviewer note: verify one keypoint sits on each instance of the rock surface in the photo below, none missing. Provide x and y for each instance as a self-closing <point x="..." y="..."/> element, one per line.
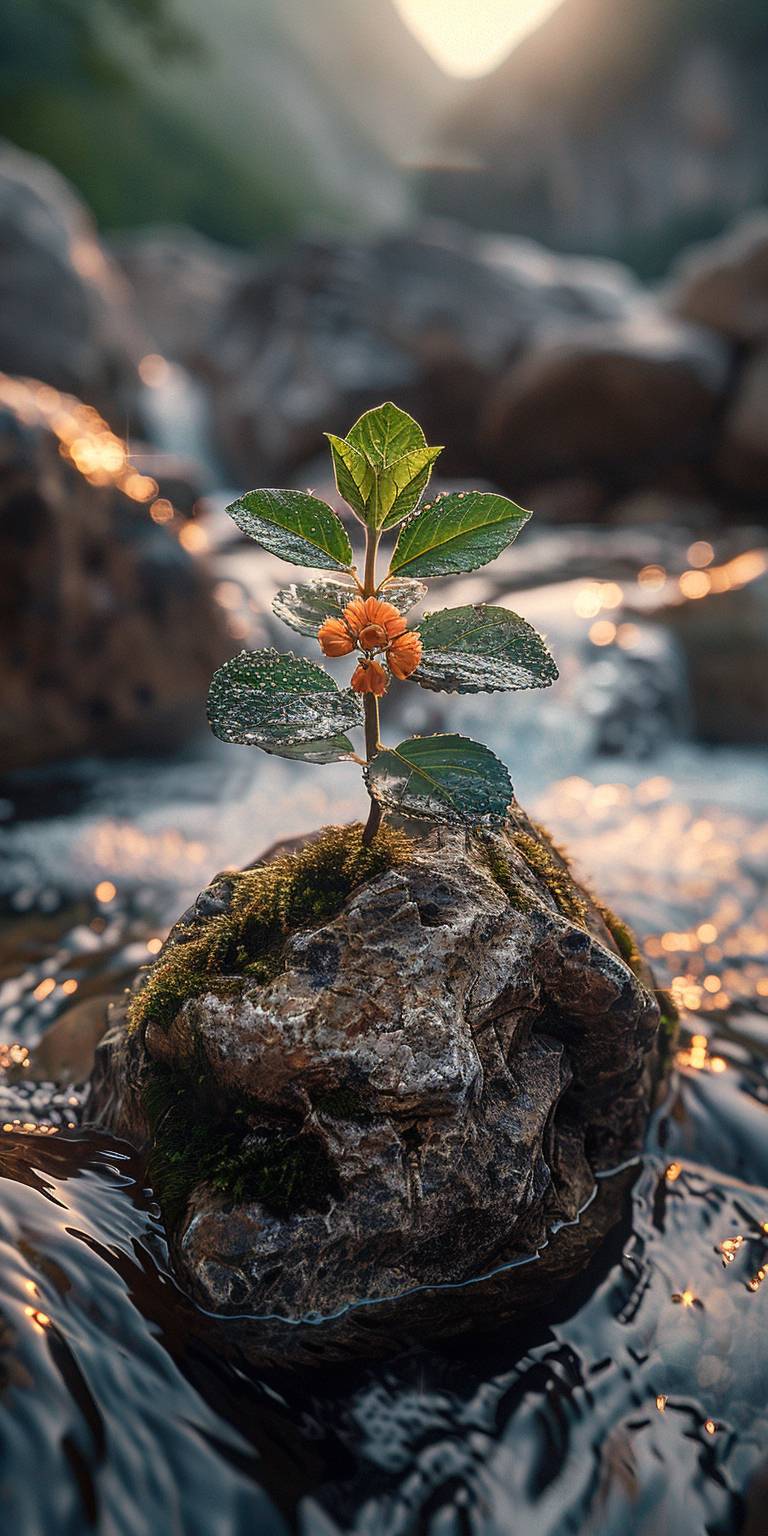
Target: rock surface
<point x="428" y="318"/>
<point x="108" y="631"/>
<point x="180" y="282"/>
<point x="623" y="400"/>
<point x="461" y="1051"/>
<point x="65" y="312"/>
<point x="724" y="284"/>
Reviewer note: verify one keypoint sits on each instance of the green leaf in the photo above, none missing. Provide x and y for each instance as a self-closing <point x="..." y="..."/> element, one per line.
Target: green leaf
<point x="355" y="479"/>
<point x="385" y="434"/>
<point x="480" y="649"/>
<point x="284" y="705"/>
<point x="457" y="533"/>
<point x="441" y="778"/>
<point x="401" y="487"/>
<point x="304" y="605"/>
<point x="295" y="526"/>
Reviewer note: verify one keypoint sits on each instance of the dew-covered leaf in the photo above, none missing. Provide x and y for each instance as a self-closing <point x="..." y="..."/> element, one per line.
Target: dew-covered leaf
<point x="385" y="434"/>
<point x="304" y="605"/>
<point x="355" y="479"/>
<point x="401" y="487"/>
<point x="295" y="526"/>
<point x="441" y="778"/>
<point x="481" y="649"/>
<point x="284" y="705"/>
<point x="456" y="533"/>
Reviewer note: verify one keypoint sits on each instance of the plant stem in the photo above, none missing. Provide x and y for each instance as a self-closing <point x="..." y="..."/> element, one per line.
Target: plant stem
<point x="371" y="549"/>
<point x="370" y="701"/>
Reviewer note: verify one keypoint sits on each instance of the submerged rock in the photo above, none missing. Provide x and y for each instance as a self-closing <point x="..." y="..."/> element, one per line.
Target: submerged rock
<point x="363" y="1074"/>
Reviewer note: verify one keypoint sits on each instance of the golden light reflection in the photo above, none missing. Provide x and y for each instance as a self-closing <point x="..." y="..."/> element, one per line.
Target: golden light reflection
<point x="661" y="1402"/>
<point x="40" y="1319"/>
<point x="696" y="1057"/>
<point x="695" y="584"/>
<point x="193" y="538"/>
<point x="85" y="439"/>
<point x="686" y="1298"/>
<point x="602" y="632"/>
<point x="729" y="1248"/>
<point x="105" y="891"/>
<point x="13" y="1055"/>
<point x="121" y="845"/>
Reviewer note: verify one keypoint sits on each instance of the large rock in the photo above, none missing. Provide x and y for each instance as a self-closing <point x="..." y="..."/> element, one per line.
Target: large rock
<point x="724" y="284"/>
<point x="741" y="460"/>
<point x="428" y="319"/>
<point x="108" y="631"/>
<point x="723" y="637"/>
<point x="621" y="400"/>
<point x="64" y="306"/>
<point x="439" y="1070"/>
<point x="180" y="282"/>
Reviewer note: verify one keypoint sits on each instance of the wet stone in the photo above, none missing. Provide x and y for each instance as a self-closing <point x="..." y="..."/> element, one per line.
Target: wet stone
<point x="428" y="1086"/>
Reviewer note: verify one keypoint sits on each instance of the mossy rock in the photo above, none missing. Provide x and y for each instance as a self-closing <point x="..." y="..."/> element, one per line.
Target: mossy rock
<point x="362" y="1072"/>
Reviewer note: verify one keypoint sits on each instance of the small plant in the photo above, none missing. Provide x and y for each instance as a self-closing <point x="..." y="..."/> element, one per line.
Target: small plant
<point x="291" y="707"/>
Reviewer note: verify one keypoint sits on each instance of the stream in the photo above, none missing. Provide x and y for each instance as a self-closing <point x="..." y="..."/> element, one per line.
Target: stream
<point x="638" y="1402"/>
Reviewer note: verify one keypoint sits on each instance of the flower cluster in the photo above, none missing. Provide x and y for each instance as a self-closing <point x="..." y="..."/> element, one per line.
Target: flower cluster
<point x="375" y="628"/>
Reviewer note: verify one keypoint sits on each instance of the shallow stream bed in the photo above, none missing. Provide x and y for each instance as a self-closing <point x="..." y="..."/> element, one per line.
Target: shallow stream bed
<point x="638" y="1404"/>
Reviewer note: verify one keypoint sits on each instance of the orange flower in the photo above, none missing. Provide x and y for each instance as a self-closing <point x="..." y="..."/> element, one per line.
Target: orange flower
<point x="370" y="677"/>
<point x="370" y="625"/>
<point x="404" y="654"/>
<point x="373" y="622"/>
<point x="335" y="639"/>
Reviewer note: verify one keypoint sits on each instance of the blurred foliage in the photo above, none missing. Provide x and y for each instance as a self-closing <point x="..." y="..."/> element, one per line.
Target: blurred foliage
<point x="66" y="91"/>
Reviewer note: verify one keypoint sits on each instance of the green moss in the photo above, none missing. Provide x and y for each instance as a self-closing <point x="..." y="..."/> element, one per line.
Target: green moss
<point x="498" y="868"/>
<point x="195" y="1141"/>
<point x="551" y="867"/>
<point x="624" y="938"/>
<point x="669" y="1027"/>
<point x="266" y="905"/>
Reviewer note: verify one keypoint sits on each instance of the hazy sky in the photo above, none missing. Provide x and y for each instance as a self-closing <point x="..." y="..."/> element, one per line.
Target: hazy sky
<point x="469" y="37"/>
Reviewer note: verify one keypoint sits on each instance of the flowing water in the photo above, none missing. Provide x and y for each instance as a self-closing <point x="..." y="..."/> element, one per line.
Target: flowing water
<point x="639" y="1403"/>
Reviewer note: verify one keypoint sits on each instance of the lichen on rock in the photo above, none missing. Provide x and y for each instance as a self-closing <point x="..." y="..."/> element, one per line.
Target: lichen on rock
<point x="361" y="1074"/>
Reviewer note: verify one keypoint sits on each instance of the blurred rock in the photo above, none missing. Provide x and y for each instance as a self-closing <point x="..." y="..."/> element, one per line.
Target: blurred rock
<point x="65" y="314"/>
<point x="108" y="632"/>
<point x="741" y="461"/>
<point x="180" y="282"/>
<point x="619" y="401"/>
<point x="428" y="319"/>
<point x="724" y="284"/>
<point x="660" y="507"/>
<point x="451" y="1059"/>
<point x="724" y="641"/>
<point x="576" y="499"/>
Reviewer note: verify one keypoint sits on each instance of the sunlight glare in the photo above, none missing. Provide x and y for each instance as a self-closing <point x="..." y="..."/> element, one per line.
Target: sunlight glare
<point x="470" y="37"/>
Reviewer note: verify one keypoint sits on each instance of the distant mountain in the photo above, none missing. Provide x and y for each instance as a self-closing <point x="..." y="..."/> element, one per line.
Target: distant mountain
<point x="625" y="127"/>
<point x="285" y="113"/>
